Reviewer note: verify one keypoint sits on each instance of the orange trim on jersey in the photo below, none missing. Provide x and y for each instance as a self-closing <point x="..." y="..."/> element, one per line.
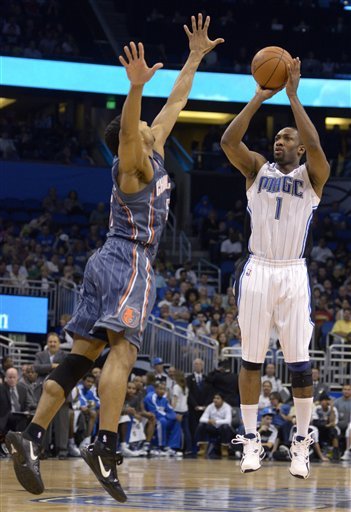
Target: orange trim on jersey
<point x="152" y="236"/>
<point x="147" y="293"/>
<point x="131" y="278"/>
<point x="126" y="209"/>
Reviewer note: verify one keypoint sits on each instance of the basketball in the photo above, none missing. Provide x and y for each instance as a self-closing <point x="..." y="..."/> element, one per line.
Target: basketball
<point x="269" y="67"/>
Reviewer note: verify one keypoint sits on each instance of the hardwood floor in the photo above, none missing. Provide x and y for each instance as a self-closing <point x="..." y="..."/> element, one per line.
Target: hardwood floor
<point x="181" y="485"/>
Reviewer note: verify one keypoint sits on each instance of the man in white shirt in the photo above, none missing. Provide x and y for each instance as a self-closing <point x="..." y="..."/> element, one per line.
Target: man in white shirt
<point x="276" y="383"/>
<point x="215" y="425"/>
<point x="231" y="247"/>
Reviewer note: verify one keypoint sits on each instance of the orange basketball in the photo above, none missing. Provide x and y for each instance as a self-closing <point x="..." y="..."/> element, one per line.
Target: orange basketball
<point x="269" y="67"/>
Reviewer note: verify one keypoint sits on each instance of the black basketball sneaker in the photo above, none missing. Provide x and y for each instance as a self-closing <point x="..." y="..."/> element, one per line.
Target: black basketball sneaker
<point x="25" y="456"/>
<point x="103" y="462"/>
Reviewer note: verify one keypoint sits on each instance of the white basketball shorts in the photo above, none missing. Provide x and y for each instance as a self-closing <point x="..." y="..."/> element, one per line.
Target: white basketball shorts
<point x="274" y="293"/>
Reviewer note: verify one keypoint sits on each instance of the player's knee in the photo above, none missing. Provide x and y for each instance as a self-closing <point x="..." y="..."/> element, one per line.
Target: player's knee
<point x="251" y="367"/>
<point x="70" y="371"/>
<point x="53" y="389"/>
<point x="301" y="374"/>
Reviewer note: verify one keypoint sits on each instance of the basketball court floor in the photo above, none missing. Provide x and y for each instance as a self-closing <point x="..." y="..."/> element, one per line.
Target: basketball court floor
<point x="181" y="485"/>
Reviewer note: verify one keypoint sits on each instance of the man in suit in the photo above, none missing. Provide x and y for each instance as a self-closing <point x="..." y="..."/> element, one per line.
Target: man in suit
<point x="16" y="404"/>
<point x="225" y="383"/>
<point x="199" y="397"/>
<point x="45" y="362"/>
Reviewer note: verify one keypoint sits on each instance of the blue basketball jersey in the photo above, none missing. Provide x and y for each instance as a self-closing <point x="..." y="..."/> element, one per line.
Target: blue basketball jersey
<point x="141" y="217"/>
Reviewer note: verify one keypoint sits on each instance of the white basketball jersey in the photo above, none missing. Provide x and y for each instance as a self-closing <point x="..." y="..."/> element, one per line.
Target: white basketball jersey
<point x="281" y="207"/>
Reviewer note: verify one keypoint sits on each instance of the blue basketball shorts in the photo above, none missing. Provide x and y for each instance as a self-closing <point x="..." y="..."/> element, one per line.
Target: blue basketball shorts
<point x="118" y="292"/>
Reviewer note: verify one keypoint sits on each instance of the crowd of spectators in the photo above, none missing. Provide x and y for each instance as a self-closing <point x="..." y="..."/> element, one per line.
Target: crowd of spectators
<point x="208" y="156"/>
<point x="44" y="137"/>
<point x="169" y="414"/>
<point x="41" y="29"/>
<point x="222" y="234"/>
<point x="53" y="245"/>
<point x="36" y="29"/>
<point x="297" y="29"/>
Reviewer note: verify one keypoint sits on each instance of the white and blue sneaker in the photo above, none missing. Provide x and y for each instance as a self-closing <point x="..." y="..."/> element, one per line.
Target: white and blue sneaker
<point x="300" y="456"/>
<point x="253" y="452"/>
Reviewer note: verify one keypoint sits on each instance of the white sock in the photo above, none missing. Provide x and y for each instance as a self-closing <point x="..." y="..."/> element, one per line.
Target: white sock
<point x="249" y="416"/>
<point x="123" y="445"/>
<point x="303" y="409"/>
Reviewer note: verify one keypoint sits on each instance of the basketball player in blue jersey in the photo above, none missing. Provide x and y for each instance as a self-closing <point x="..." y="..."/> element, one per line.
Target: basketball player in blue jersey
<point x="272" y="285"/>
<point x="118" y="290"/>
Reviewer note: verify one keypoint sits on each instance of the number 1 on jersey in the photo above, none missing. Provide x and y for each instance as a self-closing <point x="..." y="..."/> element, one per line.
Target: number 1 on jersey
<point x="278" y="208"/>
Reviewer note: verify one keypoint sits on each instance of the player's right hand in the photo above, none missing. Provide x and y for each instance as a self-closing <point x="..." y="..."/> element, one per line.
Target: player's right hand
<point x="138" y="71"/>
<point x="265" y="94"/>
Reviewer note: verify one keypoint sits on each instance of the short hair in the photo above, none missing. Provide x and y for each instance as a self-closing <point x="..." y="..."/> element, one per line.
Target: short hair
<point x="88" y="375"/>
<point x="112" y="134"/>
<point x="275" y="394"/>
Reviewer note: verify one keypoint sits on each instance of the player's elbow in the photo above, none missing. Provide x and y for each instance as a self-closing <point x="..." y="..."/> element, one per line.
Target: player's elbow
<point x="224" y="141"/>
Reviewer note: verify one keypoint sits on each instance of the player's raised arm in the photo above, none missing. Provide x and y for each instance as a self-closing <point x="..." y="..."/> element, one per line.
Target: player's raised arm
<point x="132" y="156"/>
<point x="199" y="46"/>
<point x="316" y="161"/>
<point x="248" y="162"/>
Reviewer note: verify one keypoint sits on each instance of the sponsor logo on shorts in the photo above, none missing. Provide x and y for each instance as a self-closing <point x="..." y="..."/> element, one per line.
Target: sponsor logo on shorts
<point x="130" y="317"/>
<point x="248" y="272"/>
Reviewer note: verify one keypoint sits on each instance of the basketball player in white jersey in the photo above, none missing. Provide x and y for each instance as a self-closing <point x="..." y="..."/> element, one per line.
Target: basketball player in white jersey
<point x="272" y="285"/>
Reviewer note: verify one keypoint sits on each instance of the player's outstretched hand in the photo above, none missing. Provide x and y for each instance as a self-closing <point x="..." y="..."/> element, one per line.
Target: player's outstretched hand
<point x="294" y="77"/>
<point x="138" y="71"/>
<point x="198" y="35"/>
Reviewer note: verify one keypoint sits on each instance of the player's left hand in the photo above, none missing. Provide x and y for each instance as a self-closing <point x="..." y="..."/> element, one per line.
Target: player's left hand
<point x="198" y="37"/>
<point x="294" y="71"/>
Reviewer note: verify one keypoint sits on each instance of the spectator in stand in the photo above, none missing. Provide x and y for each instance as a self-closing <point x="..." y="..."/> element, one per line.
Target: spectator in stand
<point x="343" y="327"/>
<point x="215" y="423"/>
<point x="51" y="202"/>
<point x="209" y="234"/>
<point x="89" y="405"/>
<point x="190" y="274"/>
<point x="159" y="373"/>
<point x="168" y="426"/>
<point x="17" y="279"/>
<point x="231" y="248"/>
<point x="177" y="311"/>
<point x="343" y="406"/>
<point x="16" y="404"/>
<point x="7" y="147"/>
<point x="321" y="252"/>
<point x="203" y="283"/>
<point x="191" y="298"/>
<point x="264" y="399"/>
<point x="223" y="342"/>
<point x="225" y="382"/>
<point x="198" y="397"/>
<point x="201" y="212"/>
<point x="325" y="418"/>
<point x="100" y="215"/>
<point x="4" y="273"/>
<point x="130" y="425"/>
<point x="72" y="204"/>
<point x="180" y="394"/>
<point x="277" y="385"/>
<point x="318" y="387"/>
<point x="281" y="418"/>
<point x="6" y="363"/>
<point x="30" y="379"/>
<point x="44" y="363"/>
<point x="229" y="326"/>
<point x="268" y="431"/>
